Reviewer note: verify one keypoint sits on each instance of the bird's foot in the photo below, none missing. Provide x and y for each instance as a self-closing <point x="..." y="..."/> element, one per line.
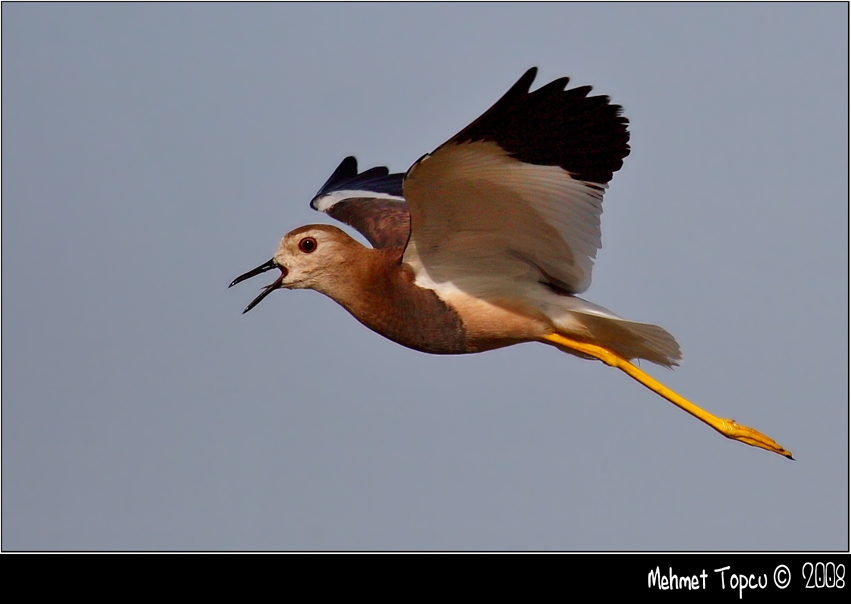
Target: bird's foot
<point x="749" y="436"/>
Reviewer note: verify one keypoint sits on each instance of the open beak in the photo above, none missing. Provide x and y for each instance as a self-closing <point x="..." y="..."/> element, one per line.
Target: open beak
<point x="266" y="266"/>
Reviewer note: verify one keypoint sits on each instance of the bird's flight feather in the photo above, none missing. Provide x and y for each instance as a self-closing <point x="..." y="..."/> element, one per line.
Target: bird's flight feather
<point x="370" y="202"/>
<point x="508" y="209"/>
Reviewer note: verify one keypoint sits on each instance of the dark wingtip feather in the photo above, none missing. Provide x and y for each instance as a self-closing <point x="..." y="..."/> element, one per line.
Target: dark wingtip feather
<point x="347" y="170"/>
<point x="374" y="180"/>
<point x="585" y="135"/>
<point x="365" y="205"/>
<point x="525" y="81"/>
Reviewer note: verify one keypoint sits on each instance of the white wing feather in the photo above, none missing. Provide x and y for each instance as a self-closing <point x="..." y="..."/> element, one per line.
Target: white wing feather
<point x="475" y="210"/>
<point x="495" y="228"/>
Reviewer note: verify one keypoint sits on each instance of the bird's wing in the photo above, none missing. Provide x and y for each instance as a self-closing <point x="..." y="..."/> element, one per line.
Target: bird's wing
<point x="518" y="191"/>
<point x="370" y="202"/>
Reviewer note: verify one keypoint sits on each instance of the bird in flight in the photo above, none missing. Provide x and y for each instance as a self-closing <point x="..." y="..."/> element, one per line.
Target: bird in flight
<point x="486" y="241"/>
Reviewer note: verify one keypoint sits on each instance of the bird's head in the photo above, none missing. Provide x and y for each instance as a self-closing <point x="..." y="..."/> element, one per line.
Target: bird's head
<point x="315" y="256"/>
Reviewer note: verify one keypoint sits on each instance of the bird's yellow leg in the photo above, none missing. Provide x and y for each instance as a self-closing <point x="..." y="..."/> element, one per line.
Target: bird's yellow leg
<point x="727" y="427"/>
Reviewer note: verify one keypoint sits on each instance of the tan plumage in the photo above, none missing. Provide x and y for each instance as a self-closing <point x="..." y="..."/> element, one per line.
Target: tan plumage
<point x="486" y="241"/>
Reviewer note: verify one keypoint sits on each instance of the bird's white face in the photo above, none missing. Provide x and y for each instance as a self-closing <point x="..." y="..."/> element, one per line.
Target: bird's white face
<point x="309" y="257"/>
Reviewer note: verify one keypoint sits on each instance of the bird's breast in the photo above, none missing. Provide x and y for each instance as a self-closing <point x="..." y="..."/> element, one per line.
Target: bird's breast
<point x="382" y="294"/>
<point x="449" y="323"/>
<point x="413" y="317"/>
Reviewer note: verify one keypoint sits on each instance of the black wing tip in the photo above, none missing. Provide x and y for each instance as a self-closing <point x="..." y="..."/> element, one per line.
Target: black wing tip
<point x="347" y="170"/>
<point x="349" y="164"/>
<point x="526" y="80"/>
<point x="586" y="136"/>
<point x="373" y="180"/>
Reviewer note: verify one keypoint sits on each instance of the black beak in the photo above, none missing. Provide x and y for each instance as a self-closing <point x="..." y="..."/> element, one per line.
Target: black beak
<point x="266" y="266"/>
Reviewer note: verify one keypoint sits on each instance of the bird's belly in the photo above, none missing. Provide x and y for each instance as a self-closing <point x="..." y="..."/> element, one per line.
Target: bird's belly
<point x="497" y="322"/>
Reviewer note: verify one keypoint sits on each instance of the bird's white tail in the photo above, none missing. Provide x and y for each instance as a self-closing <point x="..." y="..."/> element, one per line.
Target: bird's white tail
<point x="586" y="321"/>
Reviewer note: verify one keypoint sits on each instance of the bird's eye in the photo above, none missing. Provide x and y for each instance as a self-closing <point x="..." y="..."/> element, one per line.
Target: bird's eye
<point x="307" y="245"/>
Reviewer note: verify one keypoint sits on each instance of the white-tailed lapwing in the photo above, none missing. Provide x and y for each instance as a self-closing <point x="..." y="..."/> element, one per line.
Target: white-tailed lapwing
<point x="487" y="241"/>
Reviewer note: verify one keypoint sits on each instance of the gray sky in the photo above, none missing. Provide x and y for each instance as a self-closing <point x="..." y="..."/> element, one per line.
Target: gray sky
<point x="153" y="152"/>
